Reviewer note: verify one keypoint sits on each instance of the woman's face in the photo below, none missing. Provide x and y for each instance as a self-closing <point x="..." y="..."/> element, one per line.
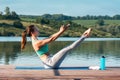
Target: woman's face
<point x="36" y="31"/>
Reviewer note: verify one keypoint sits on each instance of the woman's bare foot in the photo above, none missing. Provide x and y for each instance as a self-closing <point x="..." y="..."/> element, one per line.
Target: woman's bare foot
<point x="87" y="33"/>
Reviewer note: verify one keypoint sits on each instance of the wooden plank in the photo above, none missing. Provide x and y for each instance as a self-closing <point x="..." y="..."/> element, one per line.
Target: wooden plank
<point x="8" y="72"/>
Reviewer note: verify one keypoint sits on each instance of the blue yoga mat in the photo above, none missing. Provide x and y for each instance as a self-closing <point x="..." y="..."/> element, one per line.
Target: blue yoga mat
<point x="42" y="68"/>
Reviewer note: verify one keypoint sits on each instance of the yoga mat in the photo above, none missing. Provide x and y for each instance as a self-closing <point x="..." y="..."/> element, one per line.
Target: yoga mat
<point x="42" y="68"/>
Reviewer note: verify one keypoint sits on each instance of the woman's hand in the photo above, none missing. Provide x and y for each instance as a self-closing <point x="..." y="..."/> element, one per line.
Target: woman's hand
<point x="64" y="27"/>
<point x="87" y="33"/>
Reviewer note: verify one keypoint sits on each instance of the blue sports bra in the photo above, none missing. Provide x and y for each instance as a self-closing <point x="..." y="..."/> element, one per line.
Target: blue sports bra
<point x="42" y="50"/>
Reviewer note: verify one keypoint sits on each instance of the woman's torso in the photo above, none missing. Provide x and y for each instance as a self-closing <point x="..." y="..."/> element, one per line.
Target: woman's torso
<point x="42" y="51"/>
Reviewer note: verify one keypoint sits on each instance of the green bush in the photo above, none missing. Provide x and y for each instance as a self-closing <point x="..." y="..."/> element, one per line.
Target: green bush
<point x="100" y="22"/>
<point x="17" y="24"/>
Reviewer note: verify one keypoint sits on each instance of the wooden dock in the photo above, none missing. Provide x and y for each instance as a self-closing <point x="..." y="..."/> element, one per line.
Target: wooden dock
<point x="8" y="72"/>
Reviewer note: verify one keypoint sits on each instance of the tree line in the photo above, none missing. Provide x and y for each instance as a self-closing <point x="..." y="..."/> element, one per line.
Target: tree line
<point x="9" y="15"/>
<point x="91" y="17"/>
<point x="12" y="15"/>
<point x="60" y="17"/>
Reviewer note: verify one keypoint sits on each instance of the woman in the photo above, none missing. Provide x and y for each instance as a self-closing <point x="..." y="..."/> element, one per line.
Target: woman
<point x="41" y="46"/>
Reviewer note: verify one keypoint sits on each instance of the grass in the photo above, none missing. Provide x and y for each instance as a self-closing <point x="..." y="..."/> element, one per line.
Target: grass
<point x="93" y="22"/>
<point x="47" y="30"/>
<point x="28" y="19"/>
<point x="112" y="21"/>
<point x="6" y="30"/>
<point x="85" y="22"/>
<point x="7" y="21"/>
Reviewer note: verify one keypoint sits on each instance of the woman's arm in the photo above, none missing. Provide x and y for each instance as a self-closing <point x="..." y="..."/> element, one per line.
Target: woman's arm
<point x="53" y="37"/>
<point x="62" y="29"/>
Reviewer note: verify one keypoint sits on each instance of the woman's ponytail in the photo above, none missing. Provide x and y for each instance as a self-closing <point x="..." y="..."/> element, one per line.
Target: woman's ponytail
<point x="24" y="39"/>
<point x="28" y="32"/>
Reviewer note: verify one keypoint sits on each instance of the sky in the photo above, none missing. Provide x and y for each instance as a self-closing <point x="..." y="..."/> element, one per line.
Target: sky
<point x="66" y="7"/>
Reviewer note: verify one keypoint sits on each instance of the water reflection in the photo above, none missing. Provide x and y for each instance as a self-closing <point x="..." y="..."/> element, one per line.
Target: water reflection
<point x="10" y="52"/>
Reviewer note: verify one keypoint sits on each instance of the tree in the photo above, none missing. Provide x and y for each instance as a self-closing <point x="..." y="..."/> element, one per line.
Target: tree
<point x="116" y="17"/>
<point x="1" y="13"/>
<point x="7" y="11"/>
<point x="17" y="24"/>
<point x="88" y="17"/>
<point x="100" y="22"/>
<point x="47" y="16"/>
<point x="42" y="20"/>
<point x="1" y="16"/>
<point x="14" y="15"/>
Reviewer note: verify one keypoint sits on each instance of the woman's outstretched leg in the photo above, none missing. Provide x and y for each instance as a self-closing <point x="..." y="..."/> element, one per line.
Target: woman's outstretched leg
<point x="57" y="59"/>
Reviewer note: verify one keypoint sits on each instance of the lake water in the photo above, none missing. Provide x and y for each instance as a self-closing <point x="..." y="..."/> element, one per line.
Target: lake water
<point x="87" y="54"/>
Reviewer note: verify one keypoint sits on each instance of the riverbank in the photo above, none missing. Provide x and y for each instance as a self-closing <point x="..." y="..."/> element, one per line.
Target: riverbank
<point x="8" y="72"/>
